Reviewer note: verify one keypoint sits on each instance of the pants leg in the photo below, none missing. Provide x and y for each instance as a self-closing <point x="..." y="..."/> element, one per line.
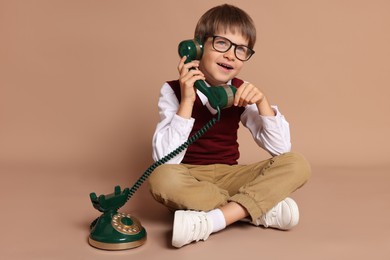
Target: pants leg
<point x="257" y="187"/>
<point x="275" y="179"/>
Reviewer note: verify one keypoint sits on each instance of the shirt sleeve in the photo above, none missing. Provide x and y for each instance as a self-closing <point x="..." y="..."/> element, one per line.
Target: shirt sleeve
<point x="271" y="133"/>
<point x="172" y="130"/>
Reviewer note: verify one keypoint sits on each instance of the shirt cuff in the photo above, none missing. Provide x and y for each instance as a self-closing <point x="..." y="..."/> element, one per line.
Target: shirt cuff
<point x="206" y="102"/>
<point x="272" y="122"/>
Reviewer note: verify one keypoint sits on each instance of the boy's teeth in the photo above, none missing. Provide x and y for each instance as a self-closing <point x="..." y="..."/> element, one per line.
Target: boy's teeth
<point x="224" y="65"/>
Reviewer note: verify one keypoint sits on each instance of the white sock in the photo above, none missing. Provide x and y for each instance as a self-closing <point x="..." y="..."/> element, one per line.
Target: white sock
<point x="218" y="219"/>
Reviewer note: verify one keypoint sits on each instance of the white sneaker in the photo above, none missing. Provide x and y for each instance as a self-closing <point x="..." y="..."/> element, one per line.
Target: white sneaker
<point x="284" y="215"/>
<point x="189" y="226"/>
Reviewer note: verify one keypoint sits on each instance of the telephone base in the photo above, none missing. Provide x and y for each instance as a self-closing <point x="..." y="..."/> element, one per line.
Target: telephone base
<point x="116" y="246"/>
<point x="117" y="231"/>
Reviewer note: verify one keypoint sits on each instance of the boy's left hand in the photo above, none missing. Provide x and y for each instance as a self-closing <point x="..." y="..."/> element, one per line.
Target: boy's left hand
<point x="248" y="94"/>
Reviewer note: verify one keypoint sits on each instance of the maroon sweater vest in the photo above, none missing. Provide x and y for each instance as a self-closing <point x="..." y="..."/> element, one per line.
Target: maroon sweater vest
<point x="219" y="144"/>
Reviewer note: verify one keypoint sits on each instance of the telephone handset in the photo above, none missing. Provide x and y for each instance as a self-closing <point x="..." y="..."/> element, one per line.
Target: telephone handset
<point x="219" y="96"/>
<point x="118" y="231"/>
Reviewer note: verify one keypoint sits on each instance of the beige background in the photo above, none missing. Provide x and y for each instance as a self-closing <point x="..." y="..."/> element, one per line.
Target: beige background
<point x="79" y="83"/>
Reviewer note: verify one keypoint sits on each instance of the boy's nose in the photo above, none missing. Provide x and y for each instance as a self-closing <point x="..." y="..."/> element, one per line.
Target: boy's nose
<point x="230" y="54"/>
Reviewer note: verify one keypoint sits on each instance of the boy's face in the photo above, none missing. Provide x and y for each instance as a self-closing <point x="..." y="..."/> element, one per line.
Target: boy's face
<point x="218" y="67"/>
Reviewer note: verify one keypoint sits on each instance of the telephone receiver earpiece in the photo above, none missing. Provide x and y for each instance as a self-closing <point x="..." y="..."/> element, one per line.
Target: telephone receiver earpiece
<point x="219" y="96"/>
<point x="193" y="49"/>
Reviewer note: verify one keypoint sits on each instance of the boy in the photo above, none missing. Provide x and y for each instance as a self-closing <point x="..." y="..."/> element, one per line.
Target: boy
<point x="204" y="185"/>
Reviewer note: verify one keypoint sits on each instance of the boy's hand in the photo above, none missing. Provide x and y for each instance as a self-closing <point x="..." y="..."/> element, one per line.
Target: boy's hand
<point x="248" y="94"/>
<point x="189" y="73"/>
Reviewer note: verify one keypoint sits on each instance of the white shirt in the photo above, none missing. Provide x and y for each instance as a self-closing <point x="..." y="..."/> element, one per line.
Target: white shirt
<point x="271" y="133"/>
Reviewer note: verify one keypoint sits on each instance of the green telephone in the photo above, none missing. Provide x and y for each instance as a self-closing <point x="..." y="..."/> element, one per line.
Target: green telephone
<point x="118" y="231"/>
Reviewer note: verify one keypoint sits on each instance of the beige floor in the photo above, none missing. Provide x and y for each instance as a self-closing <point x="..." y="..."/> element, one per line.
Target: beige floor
<point x="46" y="213"/>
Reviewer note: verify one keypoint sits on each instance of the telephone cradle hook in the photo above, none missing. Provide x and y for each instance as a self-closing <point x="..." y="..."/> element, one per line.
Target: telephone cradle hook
<point x="113" y="230"/>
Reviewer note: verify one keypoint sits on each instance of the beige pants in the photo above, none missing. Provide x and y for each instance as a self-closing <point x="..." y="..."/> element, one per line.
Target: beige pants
<point x="257" y="187"/>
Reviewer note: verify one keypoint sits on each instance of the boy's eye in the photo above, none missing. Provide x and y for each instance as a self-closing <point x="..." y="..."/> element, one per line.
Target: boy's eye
<point x="222" y="43"/>
<point x="242" y="49"/>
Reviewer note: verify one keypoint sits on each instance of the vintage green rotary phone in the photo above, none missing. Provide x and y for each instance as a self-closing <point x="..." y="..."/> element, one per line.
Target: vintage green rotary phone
<point x="119" y="231"/>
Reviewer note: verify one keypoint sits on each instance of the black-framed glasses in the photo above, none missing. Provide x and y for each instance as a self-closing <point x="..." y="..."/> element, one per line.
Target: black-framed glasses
<point x="222" y="44"/>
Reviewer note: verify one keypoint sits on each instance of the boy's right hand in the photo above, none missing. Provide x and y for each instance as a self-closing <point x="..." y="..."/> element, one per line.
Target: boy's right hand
<point x="188" y="74"/>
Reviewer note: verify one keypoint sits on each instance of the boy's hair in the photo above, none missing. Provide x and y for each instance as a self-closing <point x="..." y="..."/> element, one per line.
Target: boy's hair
<point x="227" y="18"/>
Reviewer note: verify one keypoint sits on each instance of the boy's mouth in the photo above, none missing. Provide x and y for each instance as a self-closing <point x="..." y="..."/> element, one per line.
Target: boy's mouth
<point x="225" y="66"/>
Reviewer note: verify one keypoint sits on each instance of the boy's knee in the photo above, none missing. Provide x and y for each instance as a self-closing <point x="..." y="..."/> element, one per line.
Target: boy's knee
<point x="159" y="179"/>
<point x="299" y="166"/>
<point x="167" y="180"/>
